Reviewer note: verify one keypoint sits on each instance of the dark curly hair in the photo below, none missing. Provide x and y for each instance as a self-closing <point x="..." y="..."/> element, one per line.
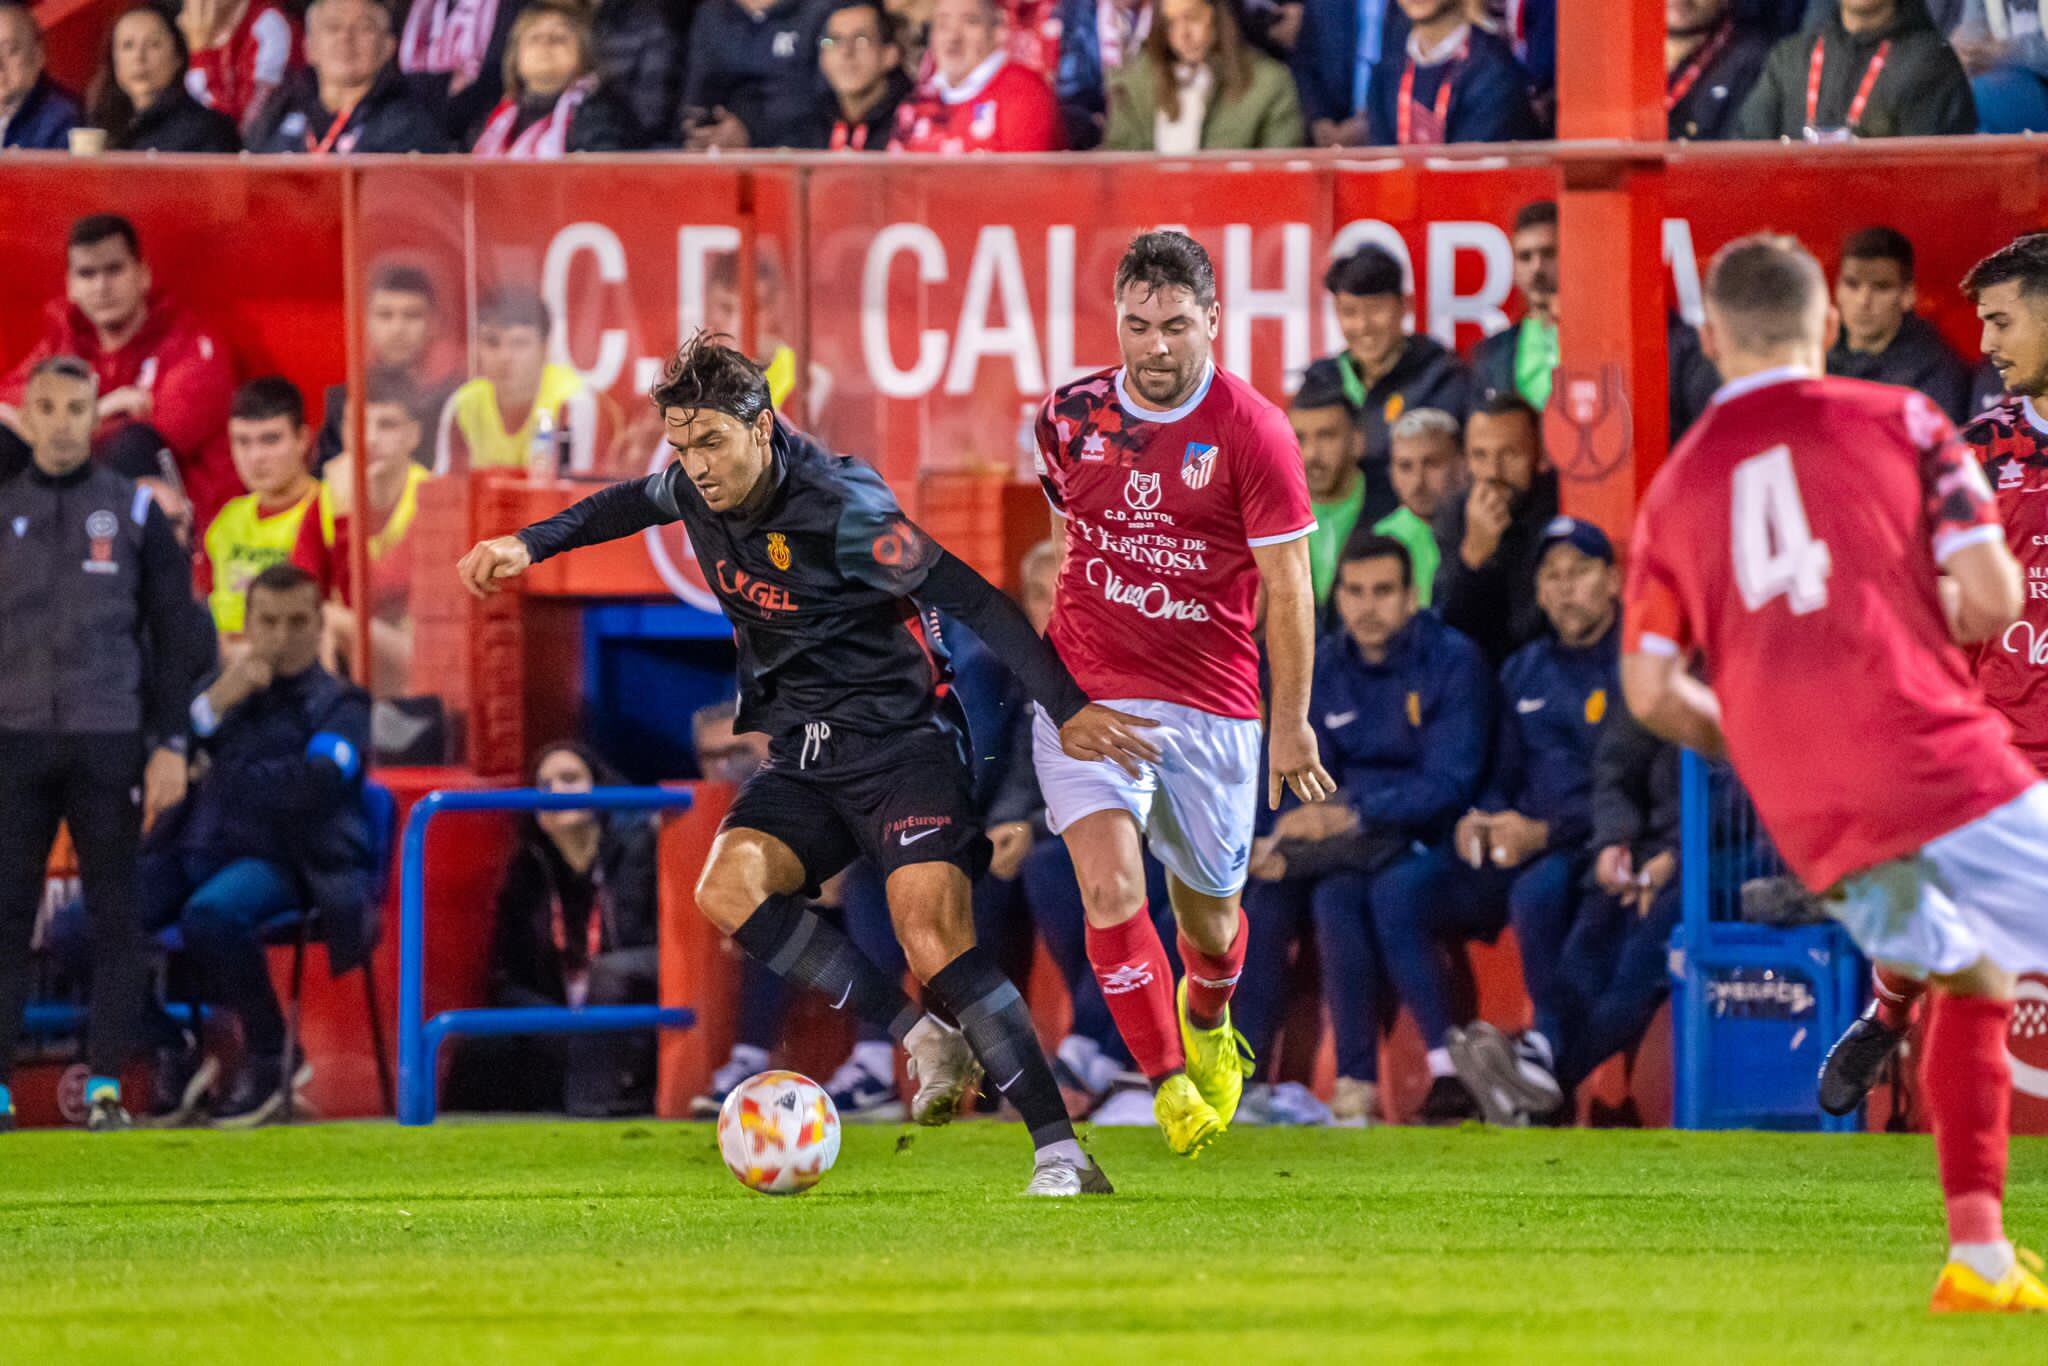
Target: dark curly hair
<point x="707" y="371"/>
<point x="2023" y="261"/>
<point x="1168" y="260"/>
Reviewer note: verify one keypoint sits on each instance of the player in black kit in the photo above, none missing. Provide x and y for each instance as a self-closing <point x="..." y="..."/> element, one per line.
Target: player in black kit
<point x="832" y="593"/>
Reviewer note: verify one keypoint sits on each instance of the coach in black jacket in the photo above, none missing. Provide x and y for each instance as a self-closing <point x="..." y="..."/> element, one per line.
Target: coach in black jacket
<point x="275" y="825"/>
<point x="95" y="635"/>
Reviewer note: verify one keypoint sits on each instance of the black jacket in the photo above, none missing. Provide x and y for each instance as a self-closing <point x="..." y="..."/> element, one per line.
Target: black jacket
<point x="619" y="889"/>
<point x="1427" y="374"/>
<point x="175" y="122"/>
<point x="1921" y="90"/>
<point x="833" y="594"/>
<point x="1635" y="789"/>
<point x="1918" y="359"/>
<point x="1489" y="99"/>
<point x="1495" y="604"/>
<point x="870" y="134"/>
<point x="1493" y="363"/>
<point x="1716" y="91"/>
<point x="762" y="68"/>
<point x="1693" y="378"/>
<point x="390" y="118"/>
<point x="96" y="628"/>
<point x="640" y="57"/>
<point x="284" y="782"/>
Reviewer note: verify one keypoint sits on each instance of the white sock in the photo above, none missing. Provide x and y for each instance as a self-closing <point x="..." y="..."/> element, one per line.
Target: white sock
<point x="876" y="1058"/>
<point x="1440" y="1063"/>
<point x="1066" y="1149"/>
<point x="1989" y="1260"/>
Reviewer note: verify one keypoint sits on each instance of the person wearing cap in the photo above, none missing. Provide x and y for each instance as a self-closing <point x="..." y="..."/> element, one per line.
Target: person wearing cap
<point x="1520" y="854"/>
<point x="95" y="613"/>
<point x="1486" y="582"/>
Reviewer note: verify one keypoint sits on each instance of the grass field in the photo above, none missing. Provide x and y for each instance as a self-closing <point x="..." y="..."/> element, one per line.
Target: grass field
<point x="511" y="1243"/>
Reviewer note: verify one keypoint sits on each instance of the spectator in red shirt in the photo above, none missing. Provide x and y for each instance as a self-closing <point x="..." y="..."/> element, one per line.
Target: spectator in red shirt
<point x="164" y="380"/>
<point x="977" y="99"/>
<point x="241" y="53"/>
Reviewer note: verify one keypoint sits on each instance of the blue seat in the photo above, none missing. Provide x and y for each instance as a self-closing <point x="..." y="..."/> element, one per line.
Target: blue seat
<point x="300" y="928"/>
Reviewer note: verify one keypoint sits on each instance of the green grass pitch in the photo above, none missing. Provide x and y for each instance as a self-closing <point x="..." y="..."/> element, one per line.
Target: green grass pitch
<point x="510" y="1243"/>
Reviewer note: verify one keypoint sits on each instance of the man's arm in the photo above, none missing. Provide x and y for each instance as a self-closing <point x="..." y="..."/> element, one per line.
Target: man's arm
<point x="1981" y="590"/>
<point x="613" y="512"/>
<point x="177" y="649"/>
<point x="313" y="781"/>
<point x="1292" y="760"/>
<point x="1670" y="702"/>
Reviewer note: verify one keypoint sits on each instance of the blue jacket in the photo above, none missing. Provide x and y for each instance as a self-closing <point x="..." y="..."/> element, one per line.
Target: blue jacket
<point x="45" y="119"/>
<point x="1406" y="739"/>
<point x="763" y="69"/>
<point x="1553" y="700"/>
<point x="285" y="782"/>
<point x="1489" y="95"/>
<point x="1326" y="57"/>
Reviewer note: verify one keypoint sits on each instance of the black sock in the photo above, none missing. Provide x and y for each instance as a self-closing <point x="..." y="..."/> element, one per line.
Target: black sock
<point x="797" y="945"/>
<point x="998" y="1028"/>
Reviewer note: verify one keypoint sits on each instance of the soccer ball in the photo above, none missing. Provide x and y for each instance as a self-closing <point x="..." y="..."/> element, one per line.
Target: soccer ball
<point x="778" y="1132"/>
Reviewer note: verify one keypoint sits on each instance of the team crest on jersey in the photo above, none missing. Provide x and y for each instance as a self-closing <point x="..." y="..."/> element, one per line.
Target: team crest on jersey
<point x="1596" y="706"/>
<point x="778" y="550"/>
<point x="984" y="122"/>
<point x="101" y="526"/>
<point x="1415" y="709"/>
<point x="1197" y="464"/>
<point x="1141" y="491"/>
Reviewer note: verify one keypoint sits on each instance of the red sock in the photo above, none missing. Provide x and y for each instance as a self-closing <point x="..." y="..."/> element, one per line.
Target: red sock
<point x="1212" y="978"/>
<point x="1968" y="1081"/>
<point x="1137" y="982"/>
<point x="1894" y="993"/>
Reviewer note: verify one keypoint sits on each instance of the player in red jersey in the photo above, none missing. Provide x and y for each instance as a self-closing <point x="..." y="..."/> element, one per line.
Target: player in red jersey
<point x="2010" y="290"/>
<point x="1822" y="545"/>
<point x="1179" y="491"/>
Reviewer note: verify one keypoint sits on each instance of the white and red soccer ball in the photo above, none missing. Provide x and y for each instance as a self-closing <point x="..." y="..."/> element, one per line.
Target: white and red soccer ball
<point x="778" y="1133"/>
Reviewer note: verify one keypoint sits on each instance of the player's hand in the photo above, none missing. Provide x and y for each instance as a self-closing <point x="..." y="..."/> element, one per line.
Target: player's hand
<point x="163" y="784"/>
<point x="1012" y="841"/>
<point x="1652" y="879"/>
<point x="1487" y="517"/>
<point x="501" y="557"/>
<point x="1614" y="870"/>
<point x="1268" y="864"/>
<point x="1099" y="732"/>
<point x="1472" y="837"/>
<point x="1516" y="839"/>
<point x="132" y="402"/>
<point x="1292" y="763"/>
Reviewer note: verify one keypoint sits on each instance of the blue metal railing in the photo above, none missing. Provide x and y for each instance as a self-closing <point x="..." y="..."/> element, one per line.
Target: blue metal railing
<point x="420" y="1039"/>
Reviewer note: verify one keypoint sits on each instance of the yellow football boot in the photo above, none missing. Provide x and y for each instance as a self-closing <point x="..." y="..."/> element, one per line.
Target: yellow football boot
<point x="2020" y="1291"/>
<point x="1218" y="1060"/>
<point x="1191" y="1123"/>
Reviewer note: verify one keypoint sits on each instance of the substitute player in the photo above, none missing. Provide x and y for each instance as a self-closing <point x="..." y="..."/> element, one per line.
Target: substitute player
<point x="1180" y="490"/>
<point x="830" y="590"/>
<point x="1796" y="542"/>
<point x="2010" y="290"/>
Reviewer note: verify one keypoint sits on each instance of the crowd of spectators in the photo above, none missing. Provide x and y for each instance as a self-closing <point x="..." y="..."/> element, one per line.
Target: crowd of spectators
<point x="541" y="78"/>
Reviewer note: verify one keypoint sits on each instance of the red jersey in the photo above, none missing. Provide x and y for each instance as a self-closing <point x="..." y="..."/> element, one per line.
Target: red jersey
<point x="190" y="380"/>
<point x="1158" y="589"/>
<point x="999" y="107"/>
<point x="1792" y="539"/>
<point x="2012" y="441"/>
<point x="239" y="75"/>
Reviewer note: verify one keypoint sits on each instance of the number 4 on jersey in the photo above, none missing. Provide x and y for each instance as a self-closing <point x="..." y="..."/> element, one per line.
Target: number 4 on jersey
<point x="1775" y="552"/>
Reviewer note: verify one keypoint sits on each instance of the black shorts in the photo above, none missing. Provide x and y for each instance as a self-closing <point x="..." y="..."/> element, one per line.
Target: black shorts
<point x="899" y="799"/>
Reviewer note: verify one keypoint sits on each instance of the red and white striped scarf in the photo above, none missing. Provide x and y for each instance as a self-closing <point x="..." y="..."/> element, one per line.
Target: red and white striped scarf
<point x="544" y="139"/>
<point x="448" y="35"/>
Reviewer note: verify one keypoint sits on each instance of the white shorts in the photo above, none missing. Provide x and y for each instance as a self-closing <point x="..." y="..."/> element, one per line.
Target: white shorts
<point x="1980" y="891"/>
<point x="1195" y="806"/>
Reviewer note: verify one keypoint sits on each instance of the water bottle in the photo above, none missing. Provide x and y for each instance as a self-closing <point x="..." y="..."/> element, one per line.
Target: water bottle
<point x="542" y="462"/>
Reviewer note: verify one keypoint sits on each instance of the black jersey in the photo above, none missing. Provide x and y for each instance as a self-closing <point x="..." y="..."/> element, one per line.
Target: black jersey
<point x="819" y="584"/>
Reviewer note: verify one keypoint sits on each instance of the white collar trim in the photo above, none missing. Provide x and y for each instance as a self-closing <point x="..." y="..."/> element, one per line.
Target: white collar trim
<point x="1762" y="379"/>
<point x="1442" y="52"/>
<point x="2034" y="419"/>
<point x="975" y="82"/>
<point x="1152" y="415"/>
